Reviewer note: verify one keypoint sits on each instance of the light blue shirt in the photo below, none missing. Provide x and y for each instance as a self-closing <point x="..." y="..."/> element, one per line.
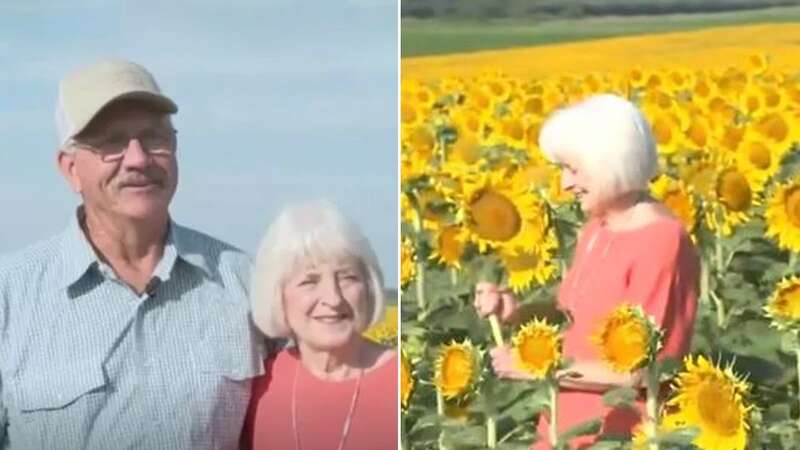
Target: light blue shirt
<point x="86" y="363"/>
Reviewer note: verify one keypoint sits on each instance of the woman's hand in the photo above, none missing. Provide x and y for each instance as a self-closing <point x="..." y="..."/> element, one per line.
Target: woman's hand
<point x="504" y="365"/>
<point x="493" y="299"/>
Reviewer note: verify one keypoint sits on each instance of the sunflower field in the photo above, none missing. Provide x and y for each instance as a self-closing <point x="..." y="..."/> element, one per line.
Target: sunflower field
<point x="480" y="202"/>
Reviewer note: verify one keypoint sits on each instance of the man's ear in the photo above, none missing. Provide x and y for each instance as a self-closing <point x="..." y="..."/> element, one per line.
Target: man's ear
<point x="66" y="165"/>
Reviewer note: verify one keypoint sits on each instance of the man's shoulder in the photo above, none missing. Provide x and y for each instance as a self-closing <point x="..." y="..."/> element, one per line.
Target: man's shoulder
<point x="33" y="258"/>
<point x="216" y="252"/>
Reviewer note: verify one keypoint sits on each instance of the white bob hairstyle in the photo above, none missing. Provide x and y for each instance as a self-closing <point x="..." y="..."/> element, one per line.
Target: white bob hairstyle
<point x="308" y="234"/>
<point x="608" y="137"/>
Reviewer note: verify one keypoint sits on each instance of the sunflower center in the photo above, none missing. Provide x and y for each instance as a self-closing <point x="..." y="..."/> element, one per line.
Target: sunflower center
<point x="513" y="129"/>
<point x="496" y="217"/>
<point x="449" y="247"/>
<point x="793" y="206"/>
<point x="759" y="155"/>
<point x="467" y="148"/>
<point x="537" y="352"/>
<point x="789" y="302"/>
<point x="456" y="369"/>
<point x="625" y="344"/>
<point x="774" y="127"/>
<point x="718" y="409"/>
<point x="681" y="205"/>
<point x="734" y="191"/>
<point x="662" y="130"/>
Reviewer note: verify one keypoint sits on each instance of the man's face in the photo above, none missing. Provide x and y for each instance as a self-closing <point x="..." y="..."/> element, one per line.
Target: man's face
<point x="123" y="164"/>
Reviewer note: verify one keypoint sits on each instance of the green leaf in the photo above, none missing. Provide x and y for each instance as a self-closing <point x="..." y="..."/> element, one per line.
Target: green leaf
<point x="778" y="412"/>
<point x="681" y="438"/>
<point x="789" y="343"/>
<point x="465" y="436"/>
<point x="621" y="396"/>
<point x="582" y="429"/>
<point x="616" y="444"/>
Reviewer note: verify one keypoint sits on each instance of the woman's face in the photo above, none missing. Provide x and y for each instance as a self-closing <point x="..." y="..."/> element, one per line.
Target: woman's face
<point x="576" y="179"/>
<point x="326" y="304"/>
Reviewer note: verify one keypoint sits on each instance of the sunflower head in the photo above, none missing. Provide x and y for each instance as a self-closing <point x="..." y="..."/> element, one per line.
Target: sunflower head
<point x="784" y="305"/>
<point x="627" y="339"/>
<point x="783" y="216"/>
<point x="713" y="400"/>
<point x="537" y="348"/>
<point x="406" y="379"/>
<point x="457" y="369"/>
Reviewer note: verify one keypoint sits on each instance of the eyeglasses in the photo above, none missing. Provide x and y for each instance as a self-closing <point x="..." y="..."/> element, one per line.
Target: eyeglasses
<point x="111" y="148"/>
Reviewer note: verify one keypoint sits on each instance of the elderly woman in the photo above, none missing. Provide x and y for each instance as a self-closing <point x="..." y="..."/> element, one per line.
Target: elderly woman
<point x="316" y="281"/>
<point x="631" y="249"/>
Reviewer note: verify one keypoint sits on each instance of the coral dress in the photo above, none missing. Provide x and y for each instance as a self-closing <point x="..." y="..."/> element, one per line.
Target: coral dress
<point x="322" y="408"/>
<point x="655" y="266"/>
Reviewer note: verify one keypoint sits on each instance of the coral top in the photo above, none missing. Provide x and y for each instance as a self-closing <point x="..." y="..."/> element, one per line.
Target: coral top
<point x="322" y="408"/>
<point x="655" y="266"/>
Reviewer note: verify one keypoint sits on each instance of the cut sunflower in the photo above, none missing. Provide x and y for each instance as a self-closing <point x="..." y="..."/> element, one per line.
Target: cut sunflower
<point x="457" y="369"/>
<point x="783" y="307"/>
<point x="537" y="348"/>
<point x="627" y="339"/>
<point x="783" y="215"/>
<point x="713" y="400"/>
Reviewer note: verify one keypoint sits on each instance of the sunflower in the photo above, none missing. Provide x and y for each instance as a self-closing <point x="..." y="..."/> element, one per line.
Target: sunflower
<point x="730" y="203"/>
<point x="666" y="130"/>
<point x="526" y="266"/>
<point x="457" y="369"/>
<point x="783" y="215"/>
<point x="385" y="331"/>
<point x="678" y="197"/>
<point x="626" y="338"/>
<point x="537" y="348"/>
<point x="758" y="161"/>
<point x="448" y="245"/>
<point x="784" y="305"/>
<point x="406" y="379"/>
<point x="711" y="399"/>
<point x="777" y="127"/>
<point x="408" y="264"/>
<point x="500" y="211"/>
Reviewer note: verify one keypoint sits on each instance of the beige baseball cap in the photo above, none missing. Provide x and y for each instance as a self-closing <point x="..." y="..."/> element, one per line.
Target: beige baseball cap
<point x="85" y="92"/>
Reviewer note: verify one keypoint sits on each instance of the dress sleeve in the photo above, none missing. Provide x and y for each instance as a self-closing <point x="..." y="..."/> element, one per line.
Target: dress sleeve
<point x="258" y="387"/>
<point x="663" y="279"/>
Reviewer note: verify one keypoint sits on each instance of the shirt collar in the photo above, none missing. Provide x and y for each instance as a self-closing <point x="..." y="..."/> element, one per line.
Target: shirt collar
<point x="79" y="255"/>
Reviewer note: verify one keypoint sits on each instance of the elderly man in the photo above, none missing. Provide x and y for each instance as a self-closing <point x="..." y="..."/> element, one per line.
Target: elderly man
<point x="126" y="330"/>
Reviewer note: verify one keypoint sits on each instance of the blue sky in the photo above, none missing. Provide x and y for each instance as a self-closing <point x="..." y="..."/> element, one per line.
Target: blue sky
<point x="280" y="100"/>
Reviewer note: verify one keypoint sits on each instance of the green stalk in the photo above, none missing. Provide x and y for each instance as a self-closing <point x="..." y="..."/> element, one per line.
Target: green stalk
<point x="652" y="406"/>
<point x="553" y="429"/>
<point x="491" y="432"/>
<point x="797" y="357"/>
<point x="494" y="323"/>
<point x="453" y="276"/>
<point x="440" y="411"/>
<point x="420" y="281"/>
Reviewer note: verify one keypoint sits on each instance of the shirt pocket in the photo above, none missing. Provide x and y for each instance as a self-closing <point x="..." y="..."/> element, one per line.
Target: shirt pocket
<point x="57" y="403"/>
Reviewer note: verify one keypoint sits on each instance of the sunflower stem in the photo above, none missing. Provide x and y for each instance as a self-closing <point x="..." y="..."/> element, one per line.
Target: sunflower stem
<point x="491" y="432"/>
<point x="454" y="276"/>
<point x="553" y="425"/>
<point x="792" y="263"/>
<point x="420" y="281"/>
<point x="440" y="411"/>
<point x="797" y="358"/>
<point x="720" y="260"/>
<point x="497" y="334"/>
<point x="652" y="406"/>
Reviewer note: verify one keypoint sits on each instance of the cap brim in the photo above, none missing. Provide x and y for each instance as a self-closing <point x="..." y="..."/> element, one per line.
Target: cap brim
<point x="160" y="102"/>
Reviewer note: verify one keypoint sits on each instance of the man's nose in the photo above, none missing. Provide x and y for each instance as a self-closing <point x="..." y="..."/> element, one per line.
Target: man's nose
<point x="134" y="154"/>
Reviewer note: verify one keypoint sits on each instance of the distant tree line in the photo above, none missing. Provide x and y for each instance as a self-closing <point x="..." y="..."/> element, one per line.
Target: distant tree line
<point x="488" y="9"/>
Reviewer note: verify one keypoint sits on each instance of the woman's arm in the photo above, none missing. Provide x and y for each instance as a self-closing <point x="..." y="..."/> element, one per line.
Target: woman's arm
<point x="597" y="377"/>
